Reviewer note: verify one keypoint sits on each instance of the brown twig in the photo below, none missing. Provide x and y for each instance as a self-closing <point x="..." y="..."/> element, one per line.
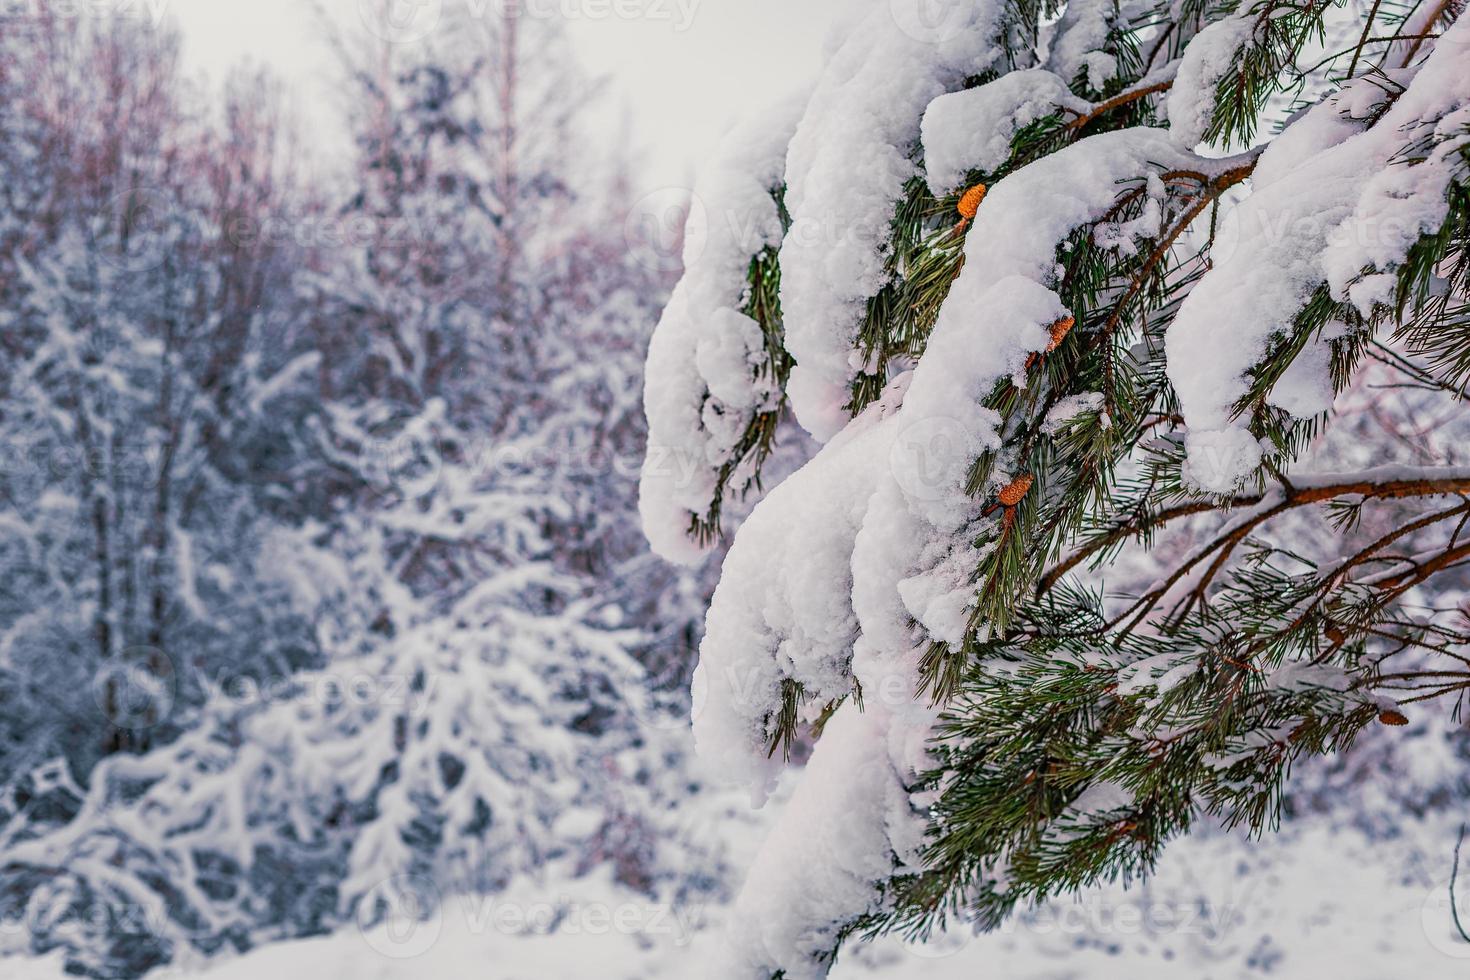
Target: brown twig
<point x="1119" y="100"/>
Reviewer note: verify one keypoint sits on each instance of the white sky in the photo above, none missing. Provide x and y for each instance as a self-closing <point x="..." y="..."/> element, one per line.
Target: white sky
<point x="684" y="69"/>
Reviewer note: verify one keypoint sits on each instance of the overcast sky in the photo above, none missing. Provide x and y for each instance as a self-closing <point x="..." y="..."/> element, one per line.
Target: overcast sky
<point x="685" y="69"/>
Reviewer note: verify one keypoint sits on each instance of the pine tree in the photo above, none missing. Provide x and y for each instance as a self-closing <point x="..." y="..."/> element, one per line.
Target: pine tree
<point x="1083" y="299"/>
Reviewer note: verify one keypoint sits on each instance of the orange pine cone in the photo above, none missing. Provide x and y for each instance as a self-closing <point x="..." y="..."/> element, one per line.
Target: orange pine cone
<point x="1015" y="491"/>
<point x="1391" y="717"/>
<point x="1059" y="331"/>
<point x="970" y="202"/>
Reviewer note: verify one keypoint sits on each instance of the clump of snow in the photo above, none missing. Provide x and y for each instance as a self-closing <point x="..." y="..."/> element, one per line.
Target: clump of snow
<point x="1100" y="799"/>
<point x="850" y="823"/>
<point x="1301" y="675"/>
<point x="1070" y="408"/>
<point x="972" y="130"/>
<point x="1123" y="236"/>
<point x="1162" y="673"/>
<point x="999" y="309"/>
<point x="783" y="609"/>
<point x="1218" y="460"/>
<point x="704" y="382"/>
<point x="1403" y="202"/>
<point x="1305" y="388"/>
<point x="1209" y="57"/>
<point x="846" y="172"/>
<point x="1306" y="134"/>
<point x="1077" y="45"/>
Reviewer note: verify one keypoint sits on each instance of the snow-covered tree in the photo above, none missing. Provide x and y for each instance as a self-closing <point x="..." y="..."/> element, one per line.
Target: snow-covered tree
<point x="1109" y="526"/>
<point x="492" y="422"/>
<point x="137" y="339"/>
<point x="441" y="507"/>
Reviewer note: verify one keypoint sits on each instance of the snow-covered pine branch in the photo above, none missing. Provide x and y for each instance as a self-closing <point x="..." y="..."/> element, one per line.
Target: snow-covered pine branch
<point x="1067" y="310"/>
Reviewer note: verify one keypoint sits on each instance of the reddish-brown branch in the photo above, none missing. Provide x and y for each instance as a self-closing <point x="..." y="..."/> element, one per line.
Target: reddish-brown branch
<point x="1118" y="101"/>
<point x="1301" y="496"/>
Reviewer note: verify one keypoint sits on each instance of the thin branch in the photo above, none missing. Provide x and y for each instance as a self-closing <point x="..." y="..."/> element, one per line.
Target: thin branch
<point x="1454" y="875"/>
<point x="1119" y="100"/>
<point x="1367" y="29"/>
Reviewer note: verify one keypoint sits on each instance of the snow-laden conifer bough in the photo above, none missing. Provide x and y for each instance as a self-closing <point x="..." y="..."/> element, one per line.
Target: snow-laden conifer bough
<point x="1065" y="289"/>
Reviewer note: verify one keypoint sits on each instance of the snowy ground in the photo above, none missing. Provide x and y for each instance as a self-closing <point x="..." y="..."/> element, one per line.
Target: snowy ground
<point x="1310" y="902"/>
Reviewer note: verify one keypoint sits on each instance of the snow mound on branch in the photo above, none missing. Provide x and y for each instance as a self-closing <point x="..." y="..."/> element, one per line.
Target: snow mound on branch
<point x="1397" y="208"/>
<point x="1311" y="131"/>
<point x="972" y="130"/>
<point x="846" y="172"/>
<point x="848" y="825"/>
<point x="903" y="541"/>
<point x="999" y="309"/>
<point x="1320" y="222"/>
<point x="1209" y="57"/>
<point x="704" y="383"/>
<point x="1305" y="387"/>
<point x="1217" y="457"/>
<point x="783" y="611"/>
<point x="1078" y="45"/>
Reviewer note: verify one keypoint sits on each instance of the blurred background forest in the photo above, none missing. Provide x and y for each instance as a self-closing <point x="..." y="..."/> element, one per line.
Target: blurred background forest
<point x="319" y="558"/>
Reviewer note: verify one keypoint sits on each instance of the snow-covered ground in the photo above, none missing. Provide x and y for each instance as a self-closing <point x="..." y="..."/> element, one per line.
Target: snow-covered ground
<point x="1309" y="902"/>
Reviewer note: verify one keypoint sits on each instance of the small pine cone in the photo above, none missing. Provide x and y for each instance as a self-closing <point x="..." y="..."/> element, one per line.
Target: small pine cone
<point x="1059" y="331"/>
<point x="1335" y="634"/>
<point x="970" y="202"/>
<point x="1391" y="716"/>
<point x="1015" y="491"/>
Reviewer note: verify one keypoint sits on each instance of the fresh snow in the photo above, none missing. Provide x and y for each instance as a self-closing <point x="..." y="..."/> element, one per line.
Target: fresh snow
<point x="1077" y="46"/>
<point x="972" y="129"/>
<point x="1211" y="55"/>
<point x="846" y="171"/>
<point x="1310" y="901"/>
<point x="703" y="384"/>
<point x="783" y="608"/>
